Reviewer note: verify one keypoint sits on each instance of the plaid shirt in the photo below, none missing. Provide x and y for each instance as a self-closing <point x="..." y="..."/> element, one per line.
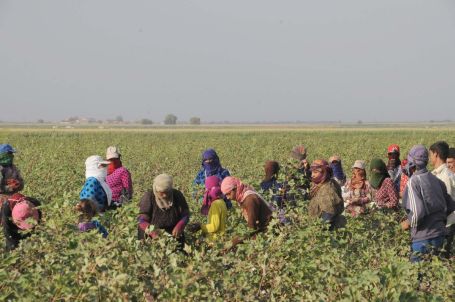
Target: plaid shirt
<point x="386" y="196"/>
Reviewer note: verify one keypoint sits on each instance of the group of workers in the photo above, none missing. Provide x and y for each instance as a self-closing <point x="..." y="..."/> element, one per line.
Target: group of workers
<point x="426" y="198"/>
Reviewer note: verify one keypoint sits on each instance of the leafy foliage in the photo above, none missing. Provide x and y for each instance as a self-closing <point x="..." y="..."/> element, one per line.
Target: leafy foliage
<point x="367" y="261"/>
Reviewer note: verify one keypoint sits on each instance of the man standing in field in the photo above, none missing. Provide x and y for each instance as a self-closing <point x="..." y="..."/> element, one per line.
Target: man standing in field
<point x="427" y="204"/>
<point x="439" y="153"/>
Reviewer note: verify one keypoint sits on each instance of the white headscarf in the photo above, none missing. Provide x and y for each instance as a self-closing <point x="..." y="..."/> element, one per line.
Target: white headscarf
<point x="94" y="168"/>
<point x="163" y="183"/>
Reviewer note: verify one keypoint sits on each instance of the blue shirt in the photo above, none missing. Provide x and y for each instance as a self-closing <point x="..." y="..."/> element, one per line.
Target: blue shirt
<point x="201" y="176"/>
<point x="93" y="191"/>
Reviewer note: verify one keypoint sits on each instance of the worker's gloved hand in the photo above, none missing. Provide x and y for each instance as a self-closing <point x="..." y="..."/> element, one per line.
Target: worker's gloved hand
<point x="178" y="229"/>
<point x="154" y="234"/>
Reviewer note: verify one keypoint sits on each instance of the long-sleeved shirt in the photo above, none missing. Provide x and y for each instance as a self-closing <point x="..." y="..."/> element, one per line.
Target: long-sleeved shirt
<point x="427" y="205"/>
<point x="217" y="217"/>
<point x="91" y="225"/>
<point x="356" y="199"/>
<point x="386" y="196"/>
<point x="10" y="230"/>
<point x="202" y="175"/>
<point x="327" y="203"/>
<point x="93" y="191"/>
<point x="120" y="182"/>
<point x="151" y="214"/>
<point x="256" y="212"/>
<point x="7" y="173"/>
<point x="447" y="177"/>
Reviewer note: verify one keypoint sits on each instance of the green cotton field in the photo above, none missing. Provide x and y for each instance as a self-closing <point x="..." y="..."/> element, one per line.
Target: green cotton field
<point x="366" y="261"/>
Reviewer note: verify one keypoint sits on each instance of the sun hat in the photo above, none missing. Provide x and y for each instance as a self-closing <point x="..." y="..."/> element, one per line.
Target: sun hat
<point x="113" y="152"/>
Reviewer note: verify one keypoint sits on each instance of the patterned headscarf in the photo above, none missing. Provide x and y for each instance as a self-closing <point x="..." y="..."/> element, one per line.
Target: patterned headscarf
<point x="94" y="168"/>
<point x="212" y="167"/>
<point x="163" y="183"/>
<point x="325" y="171"/>
<point x="242" y="190"/>
<point x="325" y="174"/>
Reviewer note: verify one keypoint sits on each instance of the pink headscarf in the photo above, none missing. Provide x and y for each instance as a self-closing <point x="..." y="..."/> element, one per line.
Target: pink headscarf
<point x="230" y="183"/>
<point x="212" y="187"/>
<point x="22" y="212"/>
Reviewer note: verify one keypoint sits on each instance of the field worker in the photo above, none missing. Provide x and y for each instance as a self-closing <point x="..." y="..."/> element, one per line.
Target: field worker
<point x="326" y="201"/>
<point x="299" y="153"/>
<point x="427" y="205"/>
<point x="210" y="166"/>
<point x="163" y="209"/>
<point x="270" y="182"/>
<point x="210" y="183"/>
<point x="118" y="178"/>
<point x="10" y="177"/>
<point x="19" y="215"/>
<point x="217" y="211"/>
<point x="95" y="188"/>
<point x="439" y="153"/>
<point x="384" y="193"/>
<point x="300" y="173"/>
<point x="337" y="170"/>
<point x="87" y="210"/>
<point x="404" y="177"/>
<point x="451" y="160"/>
<point x="255" y="210"/>
<point x="394" y="165"/>
<point x="357" y="191"/>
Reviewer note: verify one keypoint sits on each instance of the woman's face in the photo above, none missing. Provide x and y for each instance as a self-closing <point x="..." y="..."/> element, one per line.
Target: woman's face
<point x="163" y="195"/>
<point x="316" y="173"/>
<point x="231" y="195"/>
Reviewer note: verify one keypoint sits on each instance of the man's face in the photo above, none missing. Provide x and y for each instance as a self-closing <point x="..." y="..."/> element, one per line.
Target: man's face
<point x="451" y="164"/>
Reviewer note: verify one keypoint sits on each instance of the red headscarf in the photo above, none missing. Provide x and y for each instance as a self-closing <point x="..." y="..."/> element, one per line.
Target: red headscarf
<point x="115" y="164"/>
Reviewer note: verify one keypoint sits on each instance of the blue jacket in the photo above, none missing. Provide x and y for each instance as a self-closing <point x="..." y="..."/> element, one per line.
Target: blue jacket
<point x="427" y="204"/>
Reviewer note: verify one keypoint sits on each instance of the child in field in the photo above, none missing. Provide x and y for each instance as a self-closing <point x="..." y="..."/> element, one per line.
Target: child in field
<point x="95" y="188"/>
<point x="118" y="178"/>
<point x="217" y="211"/>
<point x="299" y="174"/>
<point x="357" y="191"/>
<point x="87" y="210"/>
<point x="19" y="215"/>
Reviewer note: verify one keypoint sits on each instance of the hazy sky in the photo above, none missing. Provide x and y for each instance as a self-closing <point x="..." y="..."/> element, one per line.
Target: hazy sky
<point x="387" y="60"/>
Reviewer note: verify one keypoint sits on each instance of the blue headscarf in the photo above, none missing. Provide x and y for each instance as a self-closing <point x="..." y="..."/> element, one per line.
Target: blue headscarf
<point x="337" y="170"/>
<point x="212" y="167"/>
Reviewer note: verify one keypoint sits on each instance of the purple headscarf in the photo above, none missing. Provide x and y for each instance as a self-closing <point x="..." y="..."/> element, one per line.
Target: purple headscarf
<point x="212" y="167"/>
<point x="418" y="157"/>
